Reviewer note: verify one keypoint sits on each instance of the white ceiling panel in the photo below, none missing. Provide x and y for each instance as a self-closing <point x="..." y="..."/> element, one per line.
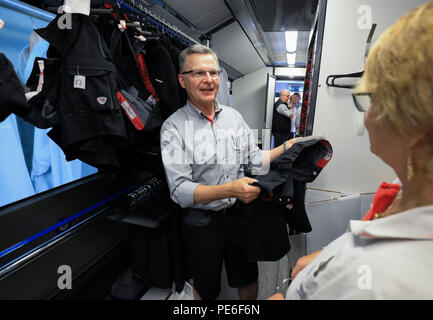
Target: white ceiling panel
<point x="213" y="18"/>
<point x="233" y="47"/>
<point x="204" y="14"/>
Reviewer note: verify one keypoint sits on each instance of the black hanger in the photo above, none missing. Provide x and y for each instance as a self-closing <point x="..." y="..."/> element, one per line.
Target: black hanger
<point x="341" y="76"/>
<point x="351" y="75"/>
<point x="140" y="29"/>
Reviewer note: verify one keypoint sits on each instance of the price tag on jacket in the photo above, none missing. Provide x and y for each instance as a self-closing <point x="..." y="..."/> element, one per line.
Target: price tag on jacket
<point x="79" y="82"/>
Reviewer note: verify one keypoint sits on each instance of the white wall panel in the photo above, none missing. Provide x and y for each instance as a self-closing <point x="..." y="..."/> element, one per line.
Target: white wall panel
<point x="353" y="169"/>
<point x="248" y="97"/>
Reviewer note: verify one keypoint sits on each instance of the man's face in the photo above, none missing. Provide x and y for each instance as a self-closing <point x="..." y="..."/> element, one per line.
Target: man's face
<point x="285" y="96"/>
<point x="201" y="84"/>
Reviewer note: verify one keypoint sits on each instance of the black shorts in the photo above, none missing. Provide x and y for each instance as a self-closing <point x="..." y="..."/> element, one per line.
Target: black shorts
<point x="210" y="239"/>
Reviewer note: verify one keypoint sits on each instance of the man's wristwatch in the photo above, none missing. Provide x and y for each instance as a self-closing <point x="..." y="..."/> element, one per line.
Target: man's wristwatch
<point x="284" y="146"/>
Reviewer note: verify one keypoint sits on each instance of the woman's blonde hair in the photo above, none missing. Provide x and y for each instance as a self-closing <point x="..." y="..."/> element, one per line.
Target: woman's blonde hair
<point x="399" y="73"/>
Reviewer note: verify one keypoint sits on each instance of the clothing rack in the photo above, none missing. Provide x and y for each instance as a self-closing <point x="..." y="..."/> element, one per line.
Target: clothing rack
<point x="137" y="7"/>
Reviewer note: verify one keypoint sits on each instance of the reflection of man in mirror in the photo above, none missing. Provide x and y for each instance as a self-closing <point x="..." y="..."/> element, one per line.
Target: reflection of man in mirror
<point x="281" y="118"/>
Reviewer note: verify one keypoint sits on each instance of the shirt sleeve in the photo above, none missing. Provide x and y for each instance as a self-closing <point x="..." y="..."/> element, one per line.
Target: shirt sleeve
<point x="176" y="165"/>
<point x="283" y="110"/>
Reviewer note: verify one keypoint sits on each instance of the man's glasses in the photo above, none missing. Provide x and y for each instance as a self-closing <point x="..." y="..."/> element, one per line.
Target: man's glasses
<point x="362" y="101"/>
<point x="201" y="74"/>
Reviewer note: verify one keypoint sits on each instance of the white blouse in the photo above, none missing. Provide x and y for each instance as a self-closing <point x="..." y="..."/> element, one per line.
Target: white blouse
<point x="388" y="258"/>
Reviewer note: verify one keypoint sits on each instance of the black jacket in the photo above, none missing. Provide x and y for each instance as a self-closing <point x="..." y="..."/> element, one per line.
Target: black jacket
<point x="163" y="76"/>
<point x="90" y="125"/>
<point x="280" y="123"/>
<point x="12" y="98"/>
<point x="264" y="232"/>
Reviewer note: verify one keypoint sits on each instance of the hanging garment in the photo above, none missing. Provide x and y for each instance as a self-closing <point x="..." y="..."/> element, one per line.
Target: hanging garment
<point x="91" y="125"/>
<point x="15" y="183"/>
<point x="126" y="61"/>
<point x="44" y="112"/>
<point x="49" y="166"/>
<point x="145" y="76"/>
<point x="156" y="250"/>
<point x="37" y="70"/>
<point x="12" y="98"/>
<point x="172" y="46"/>
<point x="155" y="120"/>
<point x="39" y="49"/>
<point x="137" y="110"/>
<point x="132" y="69"/>
<point x="223" y="95"/>
<point x="163" y="77"/>
<point x="264" y="232"/>
<point x="133" y="75"/>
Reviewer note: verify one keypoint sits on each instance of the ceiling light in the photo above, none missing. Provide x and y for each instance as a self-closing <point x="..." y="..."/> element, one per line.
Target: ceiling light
<point x="291" y="59"/>
<point x="291" y="41"/>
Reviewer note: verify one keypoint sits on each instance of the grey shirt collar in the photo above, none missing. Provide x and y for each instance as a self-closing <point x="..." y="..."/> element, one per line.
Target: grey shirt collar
<point x="193" y="108"/>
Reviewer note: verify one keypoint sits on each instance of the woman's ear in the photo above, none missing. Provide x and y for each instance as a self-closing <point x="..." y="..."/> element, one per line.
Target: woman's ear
<point x="418" y="137"/>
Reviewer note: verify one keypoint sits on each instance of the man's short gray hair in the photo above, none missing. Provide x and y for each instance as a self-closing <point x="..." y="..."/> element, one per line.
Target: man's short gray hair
<point x="196" y="48"/>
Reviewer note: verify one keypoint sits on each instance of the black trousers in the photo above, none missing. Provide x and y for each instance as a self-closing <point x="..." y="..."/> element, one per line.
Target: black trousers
<point x="211" y="238"/>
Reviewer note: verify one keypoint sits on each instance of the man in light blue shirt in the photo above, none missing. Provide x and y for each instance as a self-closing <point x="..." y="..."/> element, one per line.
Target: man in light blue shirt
<point x="205" y="149"/>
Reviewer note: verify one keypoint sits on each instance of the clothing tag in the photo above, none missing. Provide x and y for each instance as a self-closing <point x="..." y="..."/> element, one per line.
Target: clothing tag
<point x="130" y="112"/>
<point x="77" y="6"/>
<point x="41" y="75"/>
<point x="30" y="95"/>
<point x="141" y="38"/>
<point x="151" y="100"/>
<point x="128" y="109"/>
<point x="122" y="25"/>
<point x="79" y="82"/>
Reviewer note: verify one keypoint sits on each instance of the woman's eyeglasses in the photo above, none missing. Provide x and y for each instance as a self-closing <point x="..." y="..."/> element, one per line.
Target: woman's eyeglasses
<point x="362" y="100"/>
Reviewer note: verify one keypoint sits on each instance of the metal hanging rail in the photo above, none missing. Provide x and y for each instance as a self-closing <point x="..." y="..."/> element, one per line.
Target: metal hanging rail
<point x="127" y="197"/>
<point x="140" y="9"/>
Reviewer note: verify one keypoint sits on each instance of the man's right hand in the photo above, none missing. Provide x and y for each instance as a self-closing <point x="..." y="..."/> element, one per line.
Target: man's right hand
<point x="239" y="189"/>
<point x="243" y="190"/>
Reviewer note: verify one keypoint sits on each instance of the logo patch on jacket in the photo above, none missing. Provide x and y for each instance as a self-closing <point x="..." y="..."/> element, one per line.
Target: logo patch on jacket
<point x="101" y="100"/>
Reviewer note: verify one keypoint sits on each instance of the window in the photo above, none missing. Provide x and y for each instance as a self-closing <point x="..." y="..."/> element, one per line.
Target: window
<point x="30" y="162"/>
<point x="291" y="85"/>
